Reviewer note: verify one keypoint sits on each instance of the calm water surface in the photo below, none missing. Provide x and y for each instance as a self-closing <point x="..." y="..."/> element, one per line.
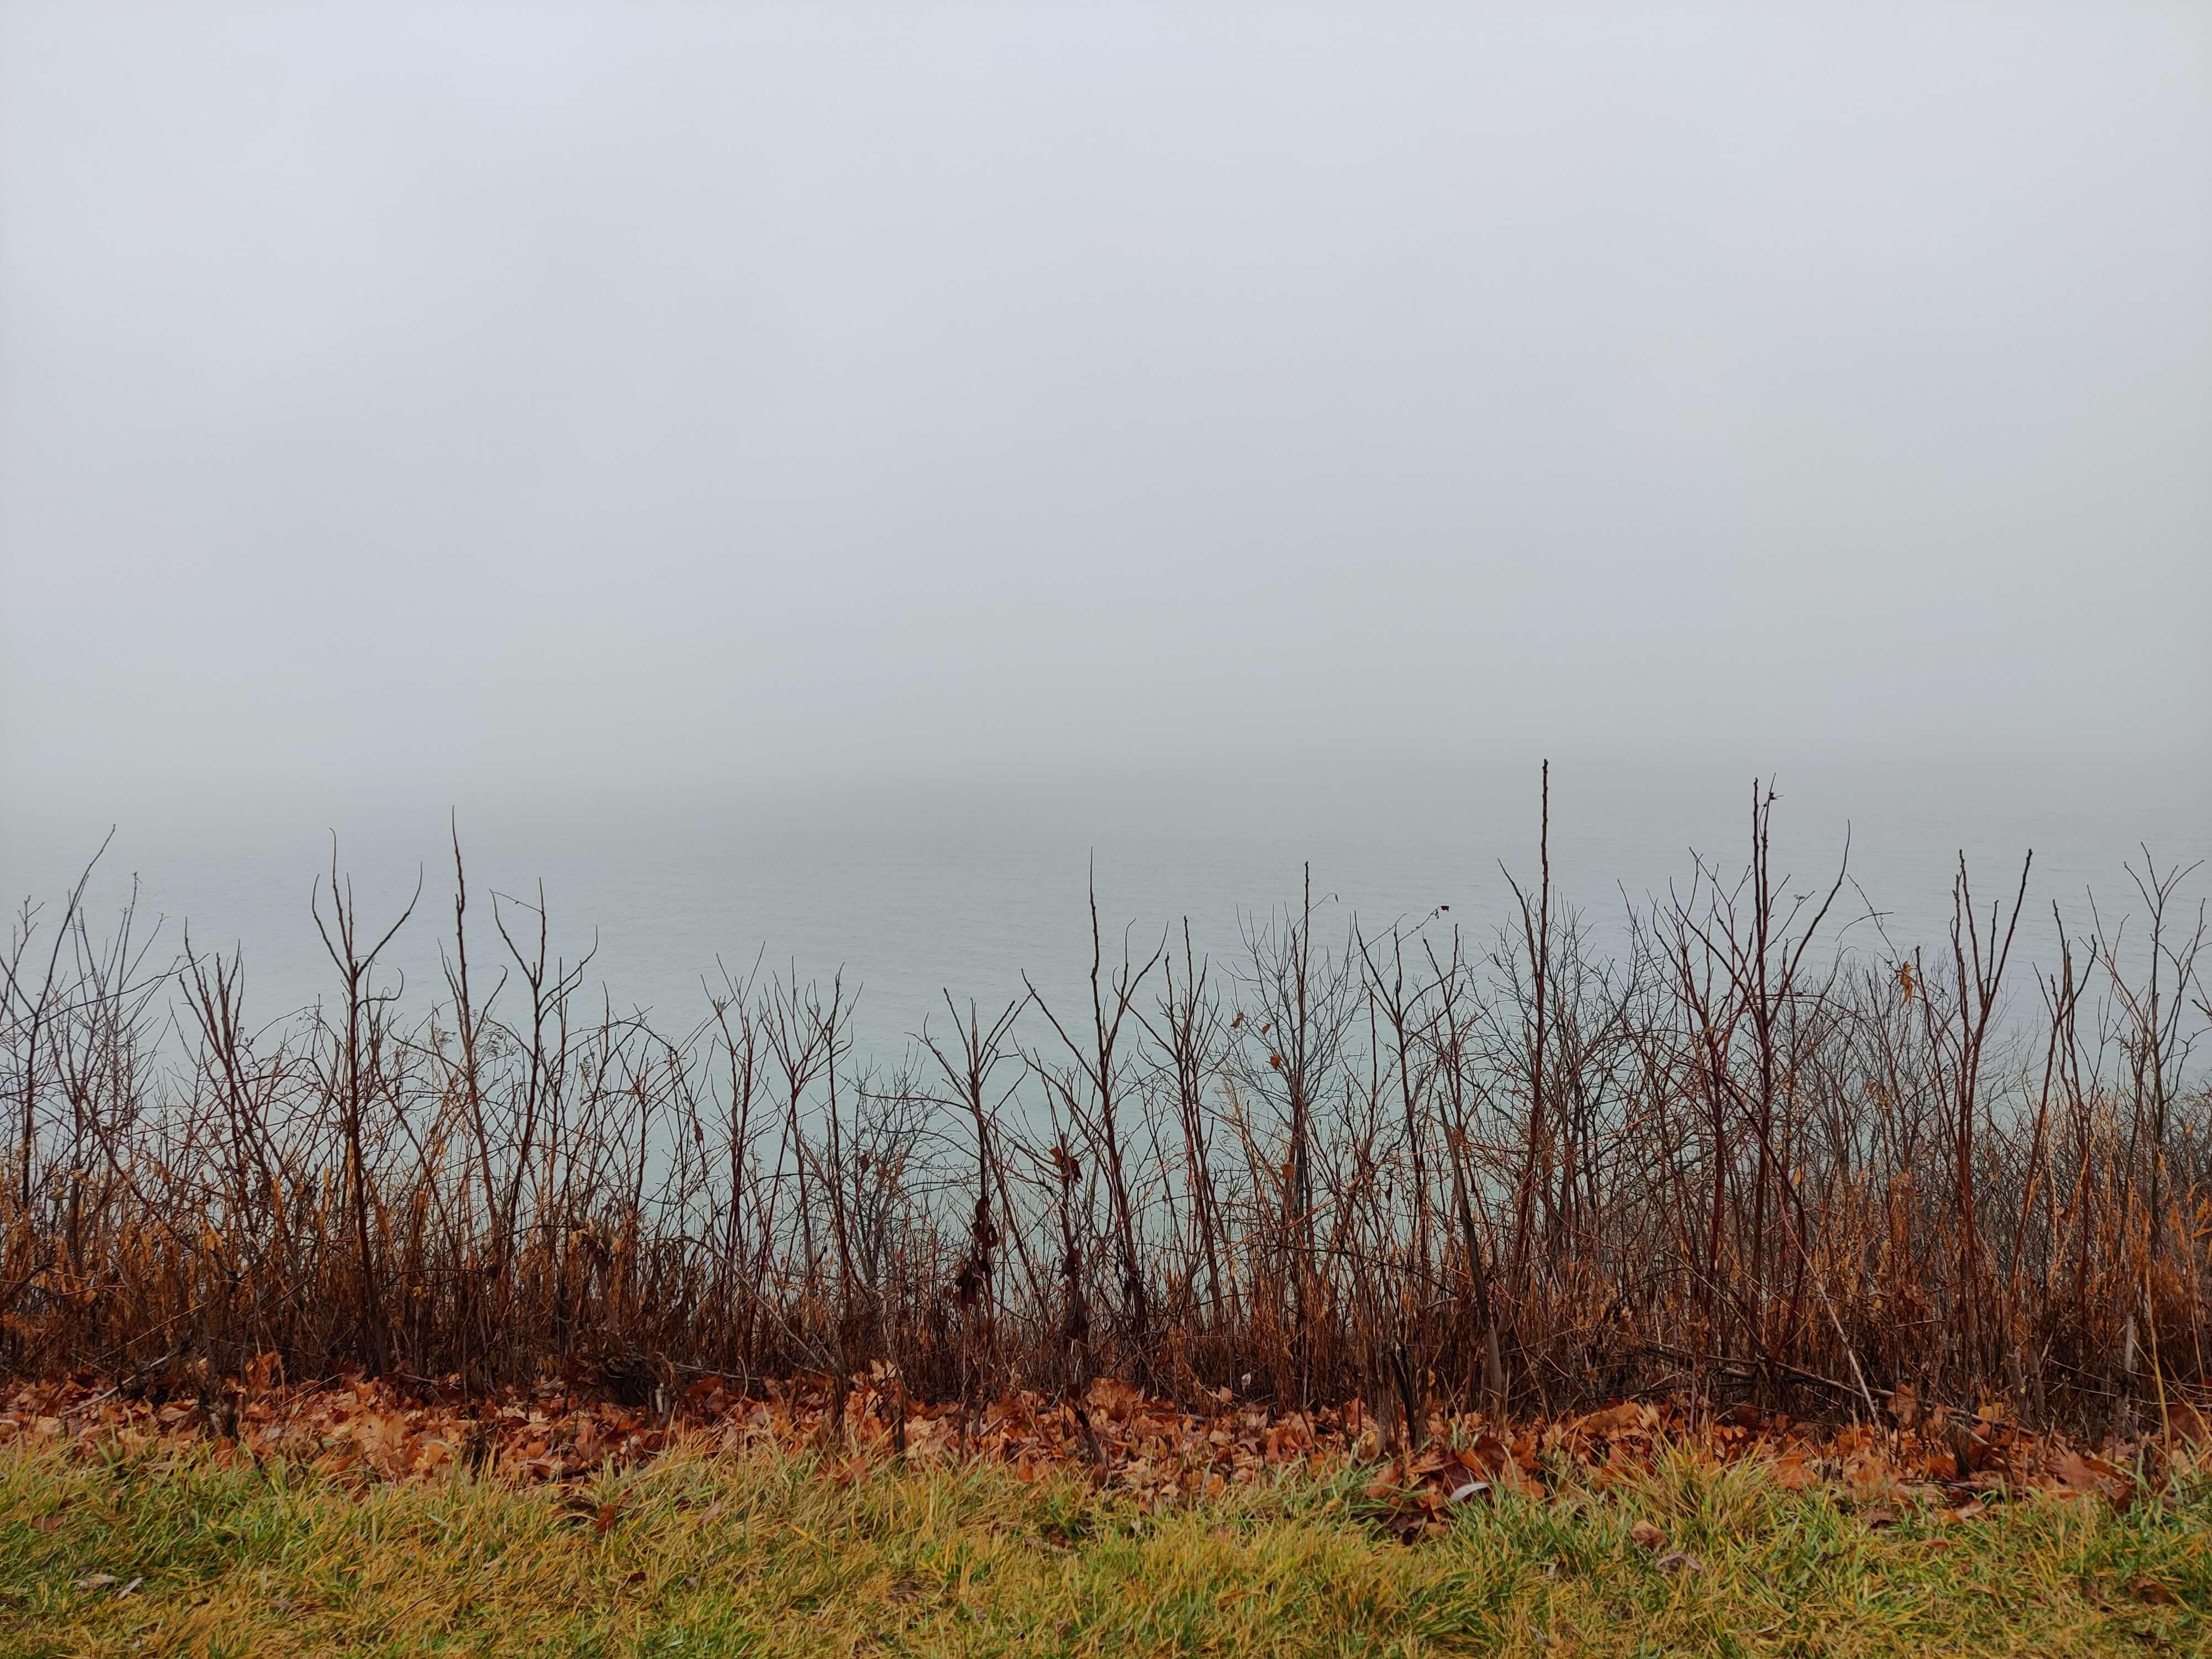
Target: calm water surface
<point x="913" y="889"/>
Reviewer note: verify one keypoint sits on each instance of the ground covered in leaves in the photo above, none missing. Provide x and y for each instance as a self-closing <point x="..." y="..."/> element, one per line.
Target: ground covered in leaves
<point x="372" y="1519"/>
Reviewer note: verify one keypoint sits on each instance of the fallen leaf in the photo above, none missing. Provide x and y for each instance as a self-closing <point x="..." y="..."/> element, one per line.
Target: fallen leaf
<point x="2079" y="1474"/>
<point x="1679" y="1561"/>
<point x="1967" y="1448"/>
<point x="2185" y="1420"/>
<point x="1791" y="1474"/>
<point x="1614" y="1419"/>
<point x="98" y="1581"/>
<point x="2144" y="1587"/>
<point x="1646" y="1536"/>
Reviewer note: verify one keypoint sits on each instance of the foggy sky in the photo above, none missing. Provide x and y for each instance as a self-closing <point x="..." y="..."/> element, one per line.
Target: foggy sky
<point x="467" y="398"/>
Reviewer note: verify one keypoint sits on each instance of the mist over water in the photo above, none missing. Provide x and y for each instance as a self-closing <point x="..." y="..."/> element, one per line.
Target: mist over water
<point x="832" y="493"/>
<point x="912" y="891"/>
<point x="816" y="479"/>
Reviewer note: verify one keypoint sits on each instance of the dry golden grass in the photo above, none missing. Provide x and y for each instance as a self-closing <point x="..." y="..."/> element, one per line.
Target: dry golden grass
<point x="163" y="1551"/>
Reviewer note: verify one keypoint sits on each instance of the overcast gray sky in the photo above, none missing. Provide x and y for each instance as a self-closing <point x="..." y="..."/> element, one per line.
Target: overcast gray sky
<point x="394" y="397"/>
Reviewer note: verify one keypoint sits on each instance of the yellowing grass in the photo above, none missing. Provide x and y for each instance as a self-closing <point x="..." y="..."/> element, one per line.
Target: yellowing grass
<point x="767" y="1554"/>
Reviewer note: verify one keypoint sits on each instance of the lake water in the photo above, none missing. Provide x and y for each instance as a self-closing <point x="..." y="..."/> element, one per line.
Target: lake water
<point x="913" y="889"/>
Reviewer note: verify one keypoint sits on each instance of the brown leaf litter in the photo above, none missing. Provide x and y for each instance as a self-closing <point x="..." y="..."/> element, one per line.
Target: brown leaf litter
<point x="1946" y="1464"/>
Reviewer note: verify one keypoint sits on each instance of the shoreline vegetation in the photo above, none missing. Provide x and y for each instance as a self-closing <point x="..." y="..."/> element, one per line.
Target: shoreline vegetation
<point x="1405" y="1171"/>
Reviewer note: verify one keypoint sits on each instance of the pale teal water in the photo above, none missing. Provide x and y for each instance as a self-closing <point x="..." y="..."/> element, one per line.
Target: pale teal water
<point x="911" y="891"/>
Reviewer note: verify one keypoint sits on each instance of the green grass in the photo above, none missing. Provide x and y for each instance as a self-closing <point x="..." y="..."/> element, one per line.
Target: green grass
<point x="769" y="1555"/>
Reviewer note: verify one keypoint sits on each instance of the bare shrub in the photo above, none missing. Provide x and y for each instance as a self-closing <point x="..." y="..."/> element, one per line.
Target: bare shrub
<point x="1733" y="1159"/>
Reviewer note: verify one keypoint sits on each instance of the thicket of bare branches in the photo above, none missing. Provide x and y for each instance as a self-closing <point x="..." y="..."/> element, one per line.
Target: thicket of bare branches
<point x="1731" y="1158"/>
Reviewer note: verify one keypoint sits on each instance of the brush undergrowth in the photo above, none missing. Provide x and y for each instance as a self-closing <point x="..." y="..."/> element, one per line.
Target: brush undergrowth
<point x="1738" y="1148"/>
<point x="771" y="1554"/>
